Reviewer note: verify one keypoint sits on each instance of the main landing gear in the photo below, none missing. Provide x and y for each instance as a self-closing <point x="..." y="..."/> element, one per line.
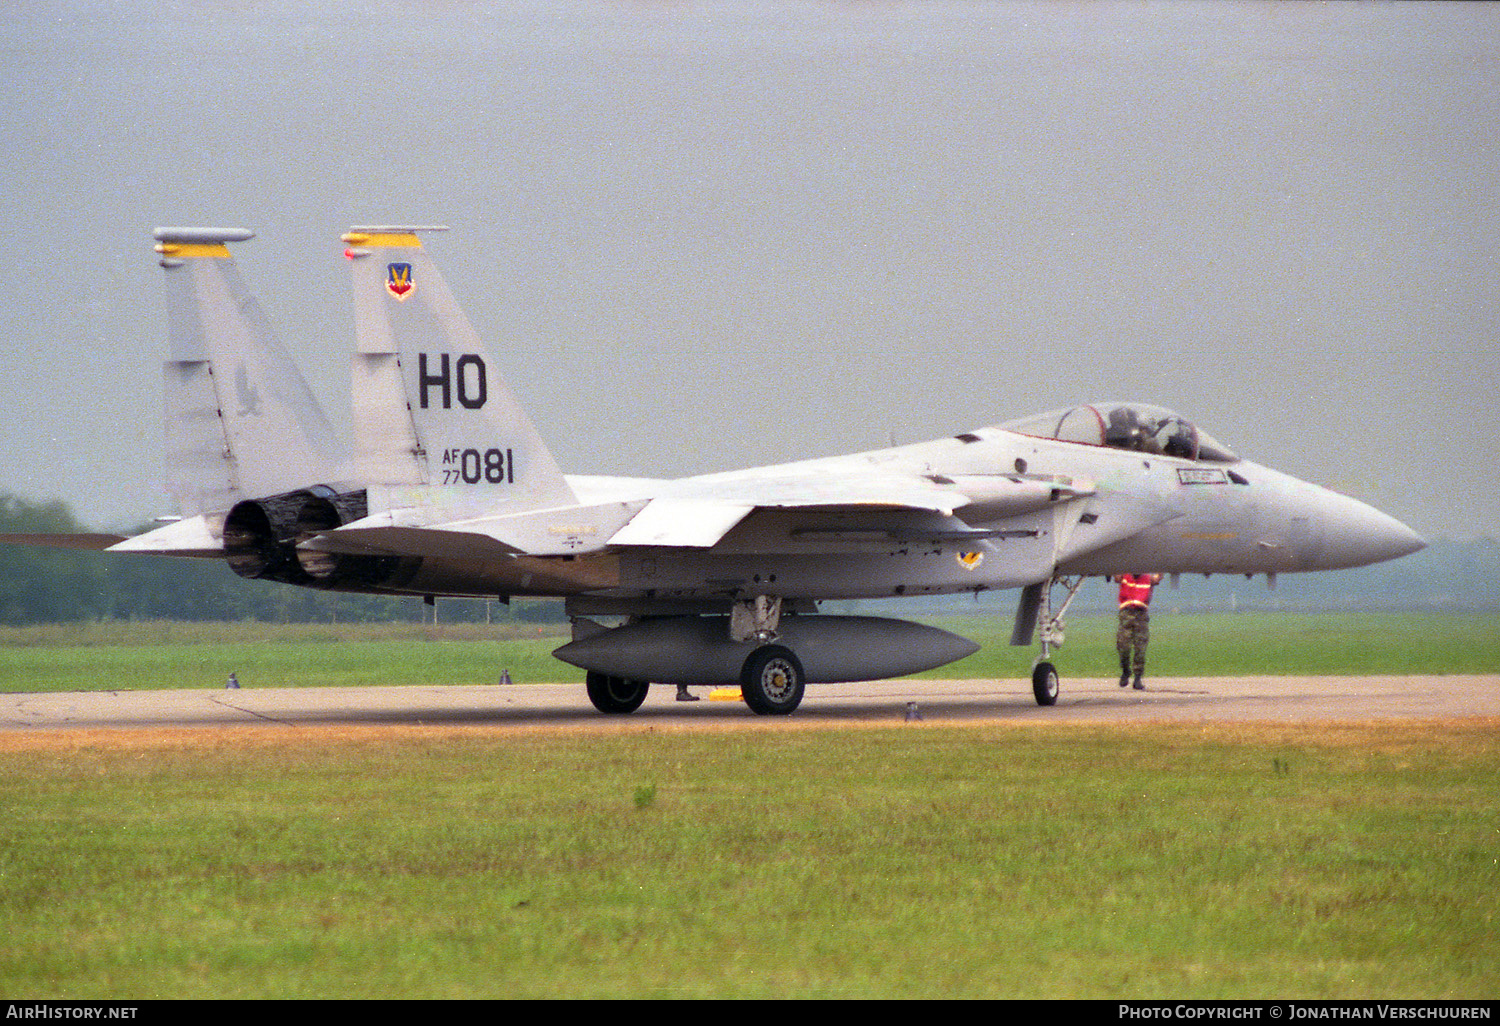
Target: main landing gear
<point x="771" y="682"/>
<point x="1044" y="679"/>
<point x="771" y="679"/>
<point x="615" y="694"/>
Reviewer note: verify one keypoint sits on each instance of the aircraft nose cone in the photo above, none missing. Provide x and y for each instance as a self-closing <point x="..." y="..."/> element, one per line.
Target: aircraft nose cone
<point x="1357" y="535"/>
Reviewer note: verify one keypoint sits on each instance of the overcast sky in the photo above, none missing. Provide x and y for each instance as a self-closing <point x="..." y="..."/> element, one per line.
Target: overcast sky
<point x="703" y="236"/>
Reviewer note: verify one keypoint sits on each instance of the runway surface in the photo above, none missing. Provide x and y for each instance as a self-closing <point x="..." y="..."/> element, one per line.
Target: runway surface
<point x="1285" y="699"/>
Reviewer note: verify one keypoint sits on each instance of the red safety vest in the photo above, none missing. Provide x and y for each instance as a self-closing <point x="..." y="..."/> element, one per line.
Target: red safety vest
<point x="1135" y="589"/>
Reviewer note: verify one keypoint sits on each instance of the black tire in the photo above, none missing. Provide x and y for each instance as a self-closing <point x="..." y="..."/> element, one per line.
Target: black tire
<point x="616" y="694"/>
<point x="1044" y="684"/>
<point x="772" y="681"/>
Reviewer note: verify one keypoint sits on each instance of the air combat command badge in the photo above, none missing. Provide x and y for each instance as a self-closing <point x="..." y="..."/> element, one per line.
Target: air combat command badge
<point x="398" y="280"/>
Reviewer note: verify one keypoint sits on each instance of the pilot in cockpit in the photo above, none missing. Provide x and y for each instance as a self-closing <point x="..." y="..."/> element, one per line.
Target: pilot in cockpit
<point x="1177" y="439"/>
<point x="1124" y="430"/>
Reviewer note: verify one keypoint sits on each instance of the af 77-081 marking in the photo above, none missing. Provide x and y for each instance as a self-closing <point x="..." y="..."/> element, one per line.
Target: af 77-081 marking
<point x="710" y="579"/>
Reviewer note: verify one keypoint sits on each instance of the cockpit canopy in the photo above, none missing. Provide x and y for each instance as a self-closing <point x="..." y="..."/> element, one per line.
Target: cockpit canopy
<point x="1135" y="427"/>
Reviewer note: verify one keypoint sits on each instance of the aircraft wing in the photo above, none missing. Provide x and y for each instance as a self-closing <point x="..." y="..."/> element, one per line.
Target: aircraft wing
<point x="698" y="513"/>
<point x="557" y="531"/>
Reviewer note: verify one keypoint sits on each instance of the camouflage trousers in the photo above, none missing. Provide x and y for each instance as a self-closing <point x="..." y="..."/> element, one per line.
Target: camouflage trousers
<point x="1133" y="636"/>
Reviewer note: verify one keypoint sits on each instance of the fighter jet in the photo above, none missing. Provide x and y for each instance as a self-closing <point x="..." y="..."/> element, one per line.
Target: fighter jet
<point x="711" y="579"/>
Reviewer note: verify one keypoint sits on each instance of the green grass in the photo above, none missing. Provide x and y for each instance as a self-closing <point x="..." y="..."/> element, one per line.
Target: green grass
<point x="150" y="656"/>
<point x="1165" y="862"/>
<point x="114" y="656"/>
<point x="1254" y="643"/>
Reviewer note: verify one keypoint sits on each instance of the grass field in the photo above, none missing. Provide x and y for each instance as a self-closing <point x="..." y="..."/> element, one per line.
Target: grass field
<point x="781" y="859"/>
<point x="903" y="861"/>
<point x="120" y="656"/>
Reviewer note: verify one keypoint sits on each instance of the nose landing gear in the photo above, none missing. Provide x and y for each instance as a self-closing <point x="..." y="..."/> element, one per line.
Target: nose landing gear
<point x="1044" y="683"/>
<point x="1036" y="604"/>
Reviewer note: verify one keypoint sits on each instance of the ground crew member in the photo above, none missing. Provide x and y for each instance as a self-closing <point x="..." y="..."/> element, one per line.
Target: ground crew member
<point x="1135" y="625"/>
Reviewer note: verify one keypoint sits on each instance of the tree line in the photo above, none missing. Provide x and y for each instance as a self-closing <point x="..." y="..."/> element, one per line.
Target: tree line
<point x="45" y="585"/>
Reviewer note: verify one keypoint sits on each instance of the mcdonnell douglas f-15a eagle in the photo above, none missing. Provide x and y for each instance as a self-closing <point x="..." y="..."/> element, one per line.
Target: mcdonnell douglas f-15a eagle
<point x="712" y="579"/>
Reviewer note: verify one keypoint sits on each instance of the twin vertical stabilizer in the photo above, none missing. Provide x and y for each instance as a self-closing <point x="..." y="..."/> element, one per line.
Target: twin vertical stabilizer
<point x="439" y="435"/>
<point x="438" y="432"/>
<point x="240" y="420"/>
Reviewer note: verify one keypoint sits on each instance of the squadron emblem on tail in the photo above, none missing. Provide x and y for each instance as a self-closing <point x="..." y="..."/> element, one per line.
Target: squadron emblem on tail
<point x="398" y="280"/>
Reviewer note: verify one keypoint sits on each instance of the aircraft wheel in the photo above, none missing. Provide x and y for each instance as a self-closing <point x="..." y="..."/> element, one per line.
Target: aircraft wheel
<point x="1044" y="684"/>
<point x="616" y="694"/>
<point x="772" y="681"/>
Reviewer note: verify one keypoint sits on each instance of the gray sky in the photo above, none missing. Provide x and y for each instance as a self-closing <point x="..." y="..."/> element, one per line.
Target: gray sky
<point x="704" y="236"/>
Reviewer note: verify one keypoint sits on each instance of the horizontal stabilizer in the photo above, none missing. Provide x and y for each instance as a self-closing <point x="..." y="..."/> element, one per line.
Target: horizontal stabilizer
<point x="87" y="542"/>
<point x="190" y="536"/>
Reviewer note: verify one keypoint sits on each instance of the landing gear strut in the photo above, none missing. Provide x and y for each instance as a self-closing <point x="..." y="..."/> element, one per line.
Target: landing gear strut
<point x="1044" y="680"/>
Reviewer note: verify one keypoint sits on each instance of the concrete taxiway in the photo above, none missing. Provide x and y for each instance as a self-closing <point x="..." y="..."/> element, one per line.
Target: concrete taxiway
<point x="1289" y="699"/>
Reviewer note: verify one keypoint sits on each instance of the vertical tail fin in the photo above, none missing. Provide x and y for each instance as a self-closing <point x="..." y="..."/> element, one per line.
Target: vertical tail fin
<point x="241" y="421"/>
<point x="436" y="425"/>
